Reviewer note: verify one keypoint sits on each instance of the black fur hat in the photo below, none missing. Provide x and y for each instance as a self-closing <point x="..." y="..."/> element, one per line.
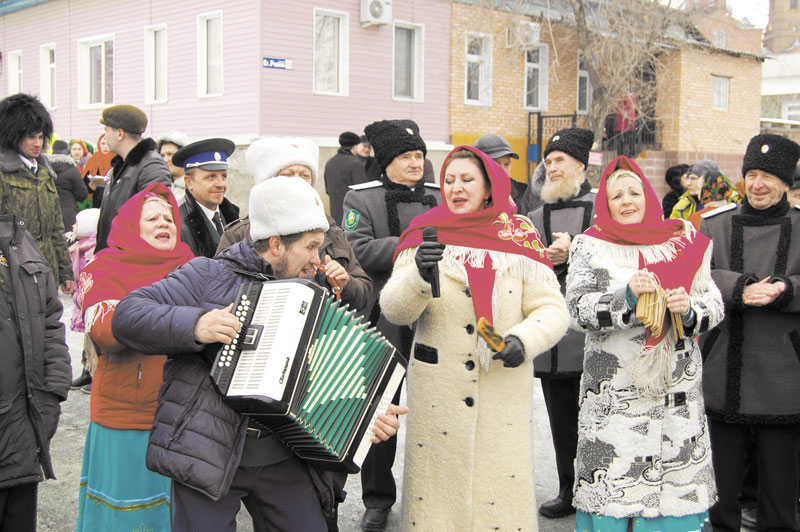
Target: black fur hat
<point x="348" y="139"/>
<point x="22" y="115"/>
<point x="390" y="138"/>
<point x="573" y="141"/>
<point x="774" y="154"/>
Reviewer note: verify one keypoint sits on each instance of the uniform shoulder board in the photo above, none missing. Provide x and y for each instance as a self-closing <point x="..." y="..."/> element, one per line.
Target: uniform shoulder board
<point x="719" y="210"/>
<point x="369" y="184"/>
<point x="432" y="185"/>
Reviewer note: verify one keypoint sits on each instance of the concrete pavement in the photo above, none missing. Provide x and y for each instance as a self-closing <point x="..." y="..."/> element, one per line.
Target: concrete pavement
<point x="58" y="499"/>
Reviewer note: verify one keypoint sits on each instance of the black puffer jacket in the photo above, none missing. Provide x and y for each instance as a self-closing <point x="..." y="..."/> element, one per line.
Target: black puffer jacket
<point x="34" y="367"/>
<point x="71" y="188"/>
<point x="129" y="176"/>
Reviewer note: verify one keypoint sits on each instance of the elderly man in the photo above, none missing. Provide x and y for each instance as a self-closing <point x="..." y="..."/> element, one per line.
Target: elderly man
<point x="166" y="146"/>
<point x="215" y="458"/>
<point x="136" y="165"/>
<point x="568" y="210"/>
<point x="751" y="374"/>
<point x="205" y="210"/>
<point x="343" y="170"/>
<point x="27" y="180"/>
<point x="375" y="214"/>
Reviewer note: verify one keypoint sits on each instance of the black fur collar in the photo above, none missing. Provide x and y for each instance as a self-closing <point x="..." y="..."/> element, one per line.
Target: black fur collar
<point x="138" y="152"/>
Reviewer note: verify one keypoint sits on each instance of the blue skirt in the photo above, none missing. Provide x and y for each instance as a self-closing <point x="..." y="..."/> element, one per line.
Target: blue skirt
<point x="117" y="492"/>
<point x="603" y="523"/>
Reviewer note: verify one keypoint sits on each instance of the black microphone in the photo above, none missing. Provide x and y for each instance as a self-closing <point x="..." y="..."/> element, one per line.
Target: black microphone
<point x="429" y="235"/>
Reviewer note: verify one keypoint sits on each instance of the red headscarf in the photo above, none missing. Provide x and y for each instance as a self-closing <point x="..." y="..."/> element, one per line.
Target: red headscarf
<point x="495" y="228"/>
<point x="129" y="262"/>
<point x="680" y="250"/>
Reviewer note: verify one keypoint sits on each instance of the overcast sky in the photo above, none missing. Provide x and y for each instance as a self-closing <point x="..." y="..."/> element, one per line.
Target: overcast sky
<point x="756" y="11"/>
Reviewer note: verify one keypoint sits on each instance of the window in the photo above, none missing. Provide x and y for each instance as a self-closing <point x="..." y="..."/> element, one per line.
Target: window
<point x="536" y="78"/>
<point x="478" y="86"/>
<point x="331" y="52"/>
<point x="408" y="52"/>
<point x="96" y="72"/>
<point x="719" y="98"/>
<point x="14" y="72"/>
<point x="47" y="75"/>
<point x="791" y="110"/>
<point x="793" y="4"/>
<point x="209" y="54"/>
<point x="155" y="69"/>
<point x="584" y="87"/>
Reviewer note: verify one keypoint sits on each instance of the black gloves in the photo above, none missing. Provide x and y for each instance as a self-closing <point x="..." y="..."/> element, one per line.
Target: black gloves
<point x="428" y="254"/>
<point x="513" y="354"/>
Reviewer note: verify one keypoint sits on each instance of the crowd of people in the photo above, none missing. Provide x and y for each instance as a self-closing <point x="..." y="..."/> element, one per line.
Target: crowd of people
<point x="664" y="331"/>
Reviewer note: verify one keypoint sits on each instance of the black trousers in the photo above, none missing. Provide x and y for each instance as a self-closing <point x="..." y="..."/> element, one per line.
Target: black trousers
<point x="561" y="397"/>
<point x="777" y="456"/>
<point x="18" y="508"/>
<point x="378" y="489"/>
<point x="279" y="497"/>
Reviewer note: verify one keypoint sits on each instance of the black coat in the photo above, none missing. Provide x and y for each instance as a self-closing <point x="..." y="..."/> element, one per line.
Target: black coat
<point x="34" y="367"/>
<point x="197" y="230"/>
<point x="70" y="187"/>
<point x="129" y="176"/>
<point x="341" y="171"/>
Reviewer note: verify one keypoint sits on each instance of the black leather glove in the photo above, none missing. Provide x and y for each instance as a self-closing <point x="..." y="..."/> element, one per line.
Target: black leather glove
<point x="428" y="254"/>
<point x="513" y="354"/>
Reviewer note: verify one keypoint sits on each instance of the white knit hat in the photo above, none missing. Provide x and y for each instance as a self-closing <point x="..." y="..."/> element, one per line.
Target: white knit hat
<point x="269" y="155"/>
<point x="284" y="206"/>
<point x="86" y="221"/>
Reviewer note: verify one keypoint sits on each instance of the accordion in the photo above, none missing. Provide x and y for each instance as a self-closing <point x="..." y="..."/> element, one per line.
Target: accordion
<point x="309" y="370"/>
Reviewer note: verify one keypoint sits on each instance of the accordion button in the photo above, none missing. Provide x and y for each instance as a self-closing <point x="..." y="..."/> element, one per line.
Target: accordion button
<point x="227" y="364"/>
<point x="221" y="363"/>
<point x="469" y="401"/>
<point x="470" y="365"/>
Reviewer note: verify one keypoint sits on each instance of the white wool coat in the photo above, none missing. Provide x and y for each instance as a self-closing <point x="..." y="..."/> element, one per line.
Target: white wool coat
<point x="469" y="445"/>
<point x="639" y="455"/>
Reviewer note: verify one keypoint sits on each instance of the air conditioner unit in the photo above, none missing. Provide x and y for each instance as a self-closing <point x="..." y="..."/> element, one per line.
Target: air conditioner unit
<point x="376" y="12"/>
<point x="524" y="33"/>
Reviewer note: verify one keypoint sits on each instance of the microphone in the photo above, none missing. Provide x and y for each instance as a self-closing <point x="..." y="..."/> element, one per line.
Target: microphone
<point x="429" y="235"/>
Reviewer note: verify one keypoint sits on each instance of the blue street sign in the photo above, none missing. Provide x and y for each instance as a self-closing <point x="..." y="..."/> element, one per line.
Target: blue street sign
<point x="274" y="62"/>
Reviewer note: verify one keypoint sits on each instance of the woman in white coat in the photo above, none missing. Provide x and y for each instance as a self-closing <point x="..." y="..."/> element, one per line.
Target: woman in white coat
<point x="469" y="447"/>
<point x="644" y="457"/>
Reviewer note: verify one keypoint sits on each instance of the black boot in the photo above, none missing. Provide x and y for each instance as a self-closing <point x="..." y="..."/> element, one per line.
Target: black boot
<point x="84" y="379"/>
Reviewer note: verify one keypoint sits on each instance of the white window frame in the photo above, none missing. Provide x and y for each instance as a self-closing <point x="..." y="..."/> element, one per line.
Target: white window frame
<point x="418" y="61"/>
<point x="343" y="72"/>
<point x="151" y="77"/>
<point x="544" y="77"/>
<point x="84" y="45"/>
<point x="14" y="72"/>
<point x="787" y="111"/>
<point x="485" y="75"/>
<point x="202" y="54"/>
<point x="716" y="103"/>
<point x="583" y="74"/>
<point x="47" y="75"/>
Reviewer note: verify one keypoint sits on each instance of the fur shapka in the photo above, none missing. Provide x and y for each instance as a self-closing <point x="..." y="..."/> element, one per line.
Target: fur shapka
<point x="22" y="115"/>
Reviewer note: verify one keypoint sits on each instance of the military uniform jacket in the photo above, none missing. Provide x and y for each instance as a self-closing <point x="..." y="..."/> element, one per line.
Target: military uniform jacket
<point x="35" y="198"/>
<point x="573" y="216"/>
<point x="197" y="231"/>
<point x="375" y="214"/>
<point x="751" y="362"/>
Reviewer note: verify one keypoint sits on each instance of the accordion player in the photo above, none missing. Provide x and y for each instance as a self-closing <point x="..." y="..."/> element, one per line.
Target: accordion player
<point x="309" y="370"/>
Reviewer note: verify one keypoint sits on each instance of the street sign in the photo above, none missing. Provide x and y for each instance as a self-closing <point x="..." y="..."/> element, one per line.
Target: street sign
<point x="274" y="62"/>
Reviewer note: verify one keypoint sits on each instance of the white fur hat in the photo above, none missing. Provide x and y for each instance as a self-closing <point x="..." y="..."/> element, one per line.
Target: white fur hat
<point x="86" y="222"/>
<point x="269" y="155"/>
<point x="285" y="206"/>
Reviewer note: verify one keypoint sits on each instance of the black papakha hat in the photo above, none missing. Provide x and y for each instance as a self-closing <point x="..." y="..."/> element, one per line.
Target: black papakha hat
<point x="348" y="139"/>
<point x="208" y="154"/>
<point x="574" y="141"/>
<point x="774" y="154"/>
<point x="125" y="117"/>
<point x="390" y="138"/>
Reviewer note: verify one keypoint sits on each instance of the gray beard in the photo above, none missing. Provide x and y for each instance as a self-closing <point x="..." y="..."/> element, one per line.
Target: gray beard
<point x="560" y="190"/>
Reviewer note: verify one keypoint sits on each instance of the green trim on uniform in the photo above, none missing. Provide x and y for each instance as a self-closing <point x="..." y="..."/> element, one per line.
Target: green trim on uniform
<point x="351" y="219"/>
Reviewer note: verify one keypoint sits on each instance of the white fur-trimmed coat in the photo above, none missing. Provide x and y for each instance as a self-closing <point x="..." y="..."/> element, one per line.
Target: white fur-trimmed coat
<point x="469" y="446"/>
<point x="638" y="455"/>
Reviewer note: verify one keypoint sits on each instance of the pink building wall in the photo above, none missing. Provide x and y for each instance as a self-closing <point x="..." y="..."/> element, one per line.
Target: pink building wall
<point x="256" y="100"/>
